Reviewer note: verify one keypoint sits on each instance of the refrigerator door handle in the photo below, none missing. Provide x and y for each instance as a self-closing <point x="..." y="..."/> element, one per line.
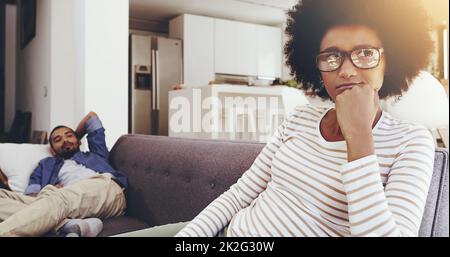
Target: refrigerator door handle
<point x="153" y="92"/>
<point x="157" y="80"/>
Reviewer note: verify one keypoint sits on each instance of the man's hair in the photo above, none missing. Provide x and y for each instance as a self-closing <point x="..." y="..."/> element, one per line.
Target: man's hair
<point x="56" y="128"/>
<point x="402" y="26"/>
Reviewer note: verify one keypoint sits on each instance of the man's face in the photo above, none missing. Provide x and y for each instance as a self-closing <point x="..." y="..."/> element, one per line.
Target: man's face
<point x="64" y="143"/>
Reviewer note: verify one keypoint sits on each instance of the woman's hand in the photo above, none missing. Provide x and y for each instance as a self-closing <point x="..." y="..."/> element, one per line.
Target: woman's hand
<point x="356" y="111"/>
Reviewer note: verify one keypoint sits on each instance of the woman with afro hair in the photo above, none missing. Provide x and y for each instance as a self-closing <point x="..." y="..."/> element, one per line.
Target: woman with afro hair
<point x="349" y="170"/>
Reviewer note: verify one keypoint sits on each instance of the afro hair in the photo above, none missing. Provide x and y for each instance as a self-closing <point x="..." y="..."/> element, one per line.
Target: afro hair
<point x="402" y="25"/>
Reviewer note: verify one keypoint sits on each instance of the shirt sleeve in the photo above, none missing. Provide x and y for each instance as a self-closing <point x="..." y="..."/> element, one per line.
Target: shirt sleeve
<point x="397" y="208"/>
<point x="96" y="137"/>
<point x="34" y="184"/>
<point x="219" y="213"/>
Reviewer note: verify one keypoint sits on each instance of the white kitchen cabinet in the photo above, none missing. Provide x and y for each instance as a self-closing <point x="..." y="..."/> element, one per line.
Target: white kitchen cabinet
<point x="212" y="46"/>
<point x="225" y="46"/>
<point x="197" y="33"/>
<point x="235" y="50"/>
<point x="269" y="51"/>
<point x="246" y="52"/>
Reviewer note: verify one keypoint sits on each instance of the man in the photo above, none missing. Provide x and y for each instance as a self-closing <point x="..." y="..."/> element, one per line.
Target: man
<point x="70" y="185"/>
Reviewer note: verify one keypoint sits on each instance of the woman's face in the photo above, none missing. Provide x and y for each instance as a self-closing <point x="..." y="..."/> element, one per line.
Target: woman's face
<point x="347" y="38"/>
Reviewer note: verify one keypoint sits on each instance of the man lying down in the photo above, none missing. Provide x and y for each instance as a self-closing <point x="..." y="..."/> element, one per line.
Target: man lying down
<point x="68" y="193"/>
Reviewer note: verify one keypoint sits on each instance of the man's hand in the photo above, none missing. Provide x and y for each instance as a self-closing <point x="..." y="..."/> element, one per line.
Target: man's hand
<point x="81" y="128"/>
<point x="357" y="110"/>
<point x="33" y="194"/>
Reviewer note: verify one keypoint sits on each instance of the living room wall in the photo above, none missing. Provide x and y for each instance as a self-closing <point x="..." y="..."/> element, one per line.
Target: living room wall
<point x="33" y="80"/>
<point x="102" y="63"/>
<point x="10" y="65"/>
<point x="77" y="62"/>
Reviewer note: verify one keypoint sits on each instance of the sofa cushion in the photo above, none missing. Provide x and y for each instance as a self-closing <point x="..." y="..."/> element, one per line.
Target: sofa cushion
<point x="121" y="224"/>
<point x="18" y="161"/>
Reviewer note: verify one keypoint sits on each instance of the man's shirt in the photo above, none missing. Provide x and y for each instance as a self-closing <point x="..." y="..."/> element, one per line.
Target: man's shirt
<point x="72" y="172"/>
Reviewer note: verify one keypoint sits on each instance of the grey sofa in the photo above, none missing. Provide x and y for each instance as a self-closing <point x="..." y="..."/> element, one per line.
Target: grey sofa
<point x="173" y="179"/>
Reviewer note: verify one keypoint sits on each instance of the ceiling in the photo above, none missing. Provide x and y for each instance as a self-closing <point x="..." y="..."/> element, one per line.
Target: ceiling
<point x="267" y="12"/>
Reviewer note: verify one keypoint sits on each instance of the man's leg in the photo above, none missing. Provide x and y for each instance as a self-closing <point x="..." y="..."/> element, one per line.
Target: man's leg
<point x="12" y="202"/>
<point x="96" y="197"/>
<point x="89" y="227"/>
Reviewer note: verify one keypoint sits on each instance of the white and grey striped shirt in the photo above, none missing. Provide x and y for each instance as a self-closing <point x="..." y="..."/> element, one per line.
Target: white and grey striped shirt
<point x="302" y="185"/>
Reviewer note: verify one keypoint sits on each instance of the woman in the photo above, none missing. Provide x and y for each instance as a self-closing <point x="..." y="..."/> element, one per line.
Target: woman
<point x="351" y="170"/>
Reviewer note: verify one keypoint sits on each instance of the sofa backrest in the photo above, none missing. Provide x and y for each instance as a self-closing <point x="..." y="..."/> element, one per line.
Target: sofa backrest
<point x="173" y="179"/>
<point x="436" y="216"/>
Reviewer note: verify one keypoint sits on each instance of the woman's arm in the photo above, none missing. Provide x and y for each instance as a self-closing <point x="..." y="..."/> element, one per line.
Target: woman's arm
<point x="219" y="213"/>
<point x="374" y="210"/>
<point x="396" y="209"/>
<point x="357" y="111"/>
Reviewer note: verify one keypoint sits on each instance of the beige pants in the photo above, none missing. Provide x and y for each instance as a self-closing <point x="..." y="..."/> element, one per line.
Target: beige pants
<point x="22" y="215"/>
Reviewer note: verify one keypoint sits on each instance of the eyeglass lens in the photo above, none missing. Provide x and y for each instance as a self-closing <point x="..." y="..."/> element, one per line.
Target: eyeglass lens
<point x="364" y="58"/>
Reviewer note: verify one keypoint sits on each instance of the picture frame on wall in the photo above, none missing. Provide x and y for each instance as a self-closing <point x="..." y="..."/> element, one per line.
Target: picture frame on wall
<point x="39" y="137"/>
<point x="27" y="21"/>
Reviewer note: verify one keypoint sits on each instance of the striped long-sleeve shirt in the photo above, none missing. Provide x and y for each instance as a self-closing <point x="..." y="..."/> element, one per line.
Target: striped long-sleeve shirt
<point x="302" y="185"/>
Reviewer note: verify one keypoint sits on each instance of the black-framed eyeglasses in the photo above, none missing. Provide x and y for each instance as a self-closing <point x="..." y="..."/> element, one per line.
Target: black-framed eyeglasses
<point x="362" y="58"/>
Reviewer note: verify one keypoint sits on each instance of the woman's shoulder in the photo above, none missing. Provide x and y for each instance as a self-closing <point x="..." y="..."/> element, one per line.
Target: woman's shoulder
<point x="409" y="131"/>
<point x="308" y="111"/>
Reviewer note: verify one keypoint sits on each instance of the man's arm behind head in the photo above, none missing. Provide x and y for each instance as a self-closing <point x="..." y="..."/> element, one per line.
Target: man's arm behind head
<point x="81" y="128"/>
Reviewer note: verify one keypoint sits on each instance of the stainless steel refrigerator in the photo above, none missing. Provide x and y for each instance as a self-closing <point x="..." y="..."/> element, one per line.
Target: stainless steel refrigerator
<point x="155" y="68"/>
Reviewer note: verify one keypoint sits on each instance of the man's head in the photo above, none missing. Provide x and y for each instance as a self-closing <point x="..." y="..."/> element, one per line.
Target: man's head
<point x="64" y="142"/>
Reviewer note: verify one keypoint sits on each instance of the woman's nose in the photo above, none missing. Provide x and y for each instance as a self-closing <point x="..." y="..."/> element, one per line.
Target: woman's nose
<point x="347" y="69"/>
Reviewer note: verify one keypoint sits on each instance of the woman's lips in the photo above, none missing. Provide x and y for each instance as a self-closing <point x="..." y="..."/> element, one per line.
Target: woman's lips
<point x="343" y="87"/>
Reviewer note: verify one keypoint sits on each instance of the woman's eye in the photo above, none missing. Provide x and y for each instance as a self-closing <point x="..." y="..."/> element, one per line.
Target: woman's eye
<point x="332" y="57"/>
<point x="365" y="53"/>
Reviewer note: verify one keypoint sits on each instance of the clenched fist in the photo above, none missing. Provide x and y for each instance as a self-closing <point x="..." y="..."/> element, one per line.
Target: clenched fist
<point x="356" y="110"/>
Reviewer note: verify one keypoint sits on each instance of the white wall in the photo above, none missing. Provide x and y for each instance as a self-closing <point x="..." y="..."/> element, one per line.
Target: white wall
<point x="10" y="65"/>
<point x="62" y="59"/>
<point x="102" y="28"/>
<point x="33" y="80"/>
<point x="80" y="54"/>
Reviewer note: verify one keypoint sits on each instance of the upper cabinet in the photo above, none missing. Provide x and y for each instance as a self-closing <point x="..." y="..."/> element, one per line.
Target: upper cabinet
<point x="235" y="51"/>
<point x="212" y="45"/>
<point x="197" y="33"/>
<point x="269" y="51"/>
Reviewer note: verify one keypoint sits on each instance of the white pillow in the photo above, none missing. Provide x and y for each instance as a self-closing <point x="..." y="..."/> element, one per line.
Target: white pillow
<point x="18" y="161"/>
<point x="425" y="103"/>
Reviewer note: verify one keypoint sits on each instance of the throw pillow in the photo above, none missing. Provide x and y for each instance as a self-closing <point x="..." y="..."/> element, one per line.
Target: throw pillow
<point x="18" y="161"/>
